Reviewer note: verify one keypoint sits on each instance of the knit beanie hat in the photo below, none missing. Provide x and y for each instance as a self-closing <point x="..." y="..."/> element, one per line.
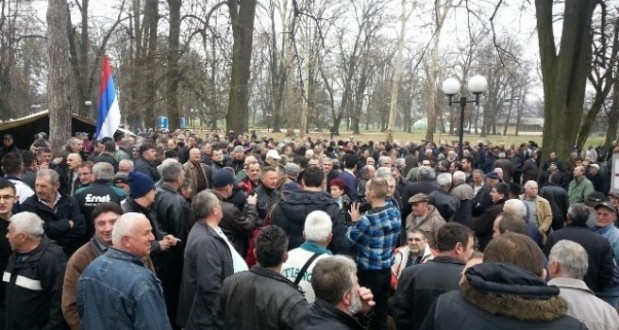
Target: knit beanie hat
<point x="139" y="184"/>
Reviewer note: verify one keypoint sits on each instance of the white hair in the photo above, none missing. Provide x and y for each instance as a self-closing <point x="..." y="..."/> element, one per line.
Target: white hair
<point x="443" y="180"/>
<point x="459" y="176"/>
<point x="383" y="172"/>
<point x="28" y="223"/>
<point x="517" y="206"/>
<point x="317" y="226"/>
<point x="125" y="226"/>
<point x="126" y="161"/>
<point x="572" y="257"/>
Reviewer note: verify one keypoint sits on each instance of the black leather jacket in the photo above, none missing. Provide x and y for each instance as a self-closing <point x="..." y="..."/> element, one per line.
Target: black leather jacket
<point x="322" y="316"/>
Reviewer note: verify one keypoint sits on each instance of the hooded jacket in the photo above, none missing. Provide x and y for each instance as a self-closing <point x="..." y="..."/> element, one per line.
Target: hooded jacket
<point x="290" y="215"/>
<point x="501" y="296"/>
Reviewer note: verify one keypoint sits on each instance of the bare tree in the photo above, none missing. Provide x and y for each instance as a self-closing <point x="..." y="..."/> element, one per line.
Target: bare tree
<point x="58" y="87"/>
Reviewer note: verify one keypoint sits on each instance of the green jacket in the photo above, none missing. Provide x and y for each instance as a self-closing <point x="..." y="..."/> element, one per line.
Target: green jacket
<point x="579" y="190"/>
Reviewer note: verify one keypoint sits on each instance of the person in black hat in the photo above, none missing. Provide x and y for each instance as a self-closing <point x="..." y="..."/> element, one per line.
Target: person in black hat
<point x="236" y="226"/>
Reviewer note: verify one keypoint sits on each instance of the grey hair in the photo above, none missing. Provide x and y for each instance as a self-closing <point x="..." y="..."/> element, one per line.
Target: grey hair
<point x="459" y="176"/>
<point x="203" y="204"/>
<point x="124" y="226"/>
<point x="400" y="161"/>
<point x="317" y="226"/>
<point x="444" y="180"/>
<point x="54" y="178"/>
<point x="332" y="277"/>
<point x="425" y="174"/>
<point x="572" y="257"/>
<point x="383" y="172"/>
<point x="478" y="171"/>
<point x="126" y="161"/>
<point x="103" y="171"/>
<point x="28" y="223"/>
<point x="530" y="183"/>
<point x="517" y="206"/>
<point x="578" y="213"/>
<point x="171" y="171"/>
<point x="382" y="159"/>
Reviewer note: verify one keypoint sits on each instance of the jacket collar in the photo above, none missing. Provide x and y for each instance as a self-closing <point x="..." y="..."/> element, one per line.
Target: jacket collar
<point x="265" y="272"/>
<point x="332" y="312"/>
<point x="571" y="283"/>
<point x="315" y="248"/>
<point x="115" y="253"/>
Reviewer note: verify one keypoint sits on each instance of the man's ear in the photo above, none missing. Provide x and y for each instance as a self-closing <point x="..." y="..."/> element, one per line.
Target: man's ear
<point x="347" y="298"/>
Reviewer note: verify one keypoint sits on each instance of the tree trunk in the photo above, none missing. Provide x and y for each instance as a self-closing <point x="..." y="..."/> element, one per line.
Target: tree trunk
<point x="172" y="74"/>
<point x="242" y="19"/>
<point x="613" y="117"/>
<point x="58" y="86"/>
<point x="564" y="74"/>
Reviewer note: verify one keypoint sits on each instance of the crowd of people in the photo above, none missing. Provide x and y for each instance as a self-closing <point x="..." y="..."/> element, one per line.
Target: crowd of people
<point x="181" y="231"/>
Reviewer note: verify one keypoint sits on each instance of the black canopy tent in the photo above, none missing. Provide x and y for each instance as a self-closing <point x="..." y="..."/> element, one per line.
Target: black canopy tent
<point x="24" y="129"/>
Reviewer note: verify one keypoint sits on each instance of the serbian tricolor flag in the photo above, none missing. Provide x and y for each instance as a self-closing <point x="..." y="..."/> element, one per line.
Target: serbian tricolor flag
<point x="108" y="118"/>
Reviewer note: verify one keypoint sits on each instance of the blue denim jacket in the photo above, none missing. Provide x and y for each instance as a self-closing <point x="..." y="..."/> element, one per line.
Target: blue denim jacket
<point x="116" y="291"/>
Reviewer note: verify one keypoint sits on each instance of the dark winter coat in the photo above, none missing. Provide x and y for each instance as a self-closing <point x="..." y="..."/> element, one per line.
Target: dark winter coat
<point x="56" y="221"/>
<point x="419" y="286"/>
<point x="290" y="215"/>
<point x="601" y="266"/>
<point x="34" y="289"/>
<point x="500" y="296"/>
<point x="322" y="316"/>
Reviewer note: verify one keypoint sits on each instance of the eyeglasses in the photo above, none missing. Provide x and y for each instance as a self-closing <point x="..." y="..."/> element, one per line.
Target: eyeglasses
<point x="6" y="197"/>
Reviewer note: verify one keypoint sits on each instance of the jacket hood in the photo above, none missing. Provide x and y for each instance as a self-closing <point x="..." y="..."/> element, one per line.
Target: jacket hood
<point x="508" y="290"/>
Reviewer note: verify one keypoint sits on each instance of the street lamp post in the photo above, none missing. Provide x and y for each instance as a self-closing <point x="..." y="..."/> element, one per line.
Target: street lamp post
<point x="476" y="85"/>
<point x="269" y="115"/>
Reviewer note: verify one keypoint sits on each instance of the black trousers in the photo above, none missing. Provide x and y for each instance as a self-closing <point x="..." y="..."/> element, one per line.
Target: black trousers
<point x="377" y="281"/>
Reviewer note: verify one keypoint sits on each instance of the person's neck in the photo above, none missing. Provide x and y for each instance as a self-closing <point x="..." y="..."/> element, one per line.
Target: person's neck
<point x="277" y="269"/>
<point x="376" y="203"/>
<point x="6" y="216"/>
<point x="29" y="247"/>
<point x="173" y="185"/>
<point x="313" y="189"/>
<point x="451" y="254"/>
<point x="211" y="222"/>
<point x="143" y="202"/>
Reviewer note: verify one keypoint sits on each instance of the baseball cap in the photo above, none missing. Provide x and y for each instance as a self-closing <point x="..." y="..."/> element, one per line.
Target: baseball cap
<point x="273" y="154"/>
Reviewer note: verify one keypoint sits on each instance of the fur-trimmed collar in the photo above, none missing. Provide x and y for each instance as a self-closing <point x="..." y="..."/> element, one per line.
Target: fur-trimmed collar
<point x="512" y="294"/>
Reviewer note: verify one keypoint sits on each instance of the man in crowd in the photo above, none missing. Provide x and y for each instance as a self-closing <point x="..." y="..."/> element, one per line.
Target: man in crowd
<point x="250" y="177"/>
<point x="416" y="251"/>
<point x="102" y="190"/>
<point x="338" y="296"/>
<point x="265" y="298"/>
<point x="483" y="225"/>
<point x="300" y="262"/>
<point x="12" y="166"/>
<point x="33" y="276"/>
<point x="540" y="212"/>
<point x="419" y="286"/>
<point x="580" y="187"/>
<point x="63" y="221"/>
<point x="442" y="200"/>
<point x="567" y="265"/>
<point x="107" y="155"/>
<point x="146" y="163"/>
<point x="104" y="216"/>
<point x="600" y="258"/>
<point x="116" y="290"/>
<point x="74" y="162"/>
<point x="235" y="224"/>
<point x="463" y="193"/>
<point x="198" y="173"/>
<point x="209" y="259"/>
<point x="84" y="172"/>
<point x="141" y="198"/>
<point x="373" y="236"/>
<point x="424" y="185"/>
<point x="174" y="217"/>
<point x="7" y="200"/>
<point x="348" y="175"/>
<point x="558" y="198"/>
<point x="267" y="193"/>
<point x="291" y="214"/>
<point x="506" y="291"/>
<point x="424" y="217"/>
